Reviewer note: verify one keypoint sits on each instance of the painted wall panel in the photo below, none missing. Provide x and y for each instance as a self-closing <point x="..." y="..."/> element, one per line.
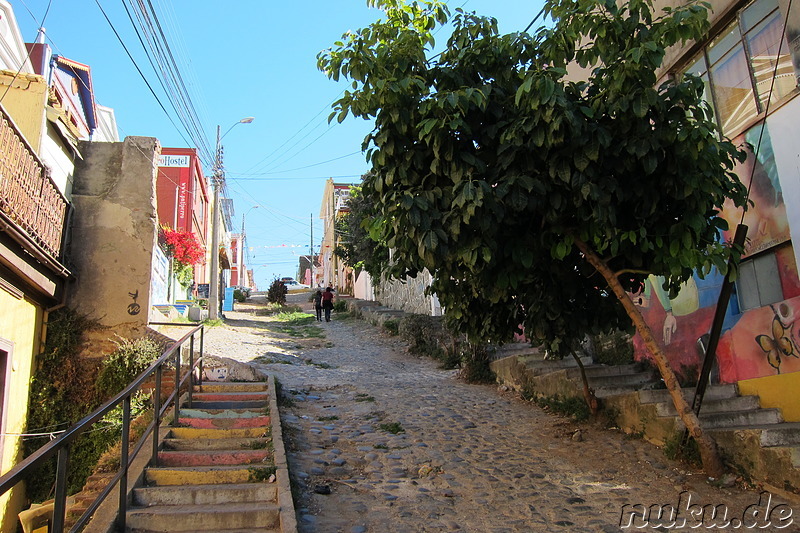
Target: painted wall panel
<point x="20" y="324"/>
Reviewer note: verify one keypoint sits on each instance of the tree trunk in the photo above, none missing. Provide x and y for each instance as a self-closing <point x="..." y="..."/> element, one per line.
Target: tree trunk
<point x="712" y="464"/>
<point x="588" y="394"/>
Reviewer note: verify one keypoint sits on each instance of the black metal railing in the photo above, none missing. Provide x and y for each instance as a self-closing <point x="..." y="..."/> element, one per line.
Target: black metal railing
<point x="61" y="445"/>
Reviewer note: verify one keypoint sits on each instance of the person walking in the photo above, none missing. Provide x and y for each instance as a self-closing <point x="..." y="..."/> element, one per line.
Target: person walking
<point x="327" y="303"/>
<point x="318" y="304"/>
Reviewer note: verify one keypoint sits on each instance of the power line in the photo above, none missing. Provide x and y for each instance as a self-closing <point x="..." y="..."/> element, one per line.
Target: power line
<point x="144" y="78"/>
<point x="30" y="49"/>
<point x="156" y="46"/>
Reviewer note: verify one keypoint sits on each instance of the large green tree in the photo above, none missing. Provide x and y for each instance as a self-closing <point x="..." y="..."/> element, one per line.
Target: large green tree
<point x="359" y="230"/>
<point x="534" y="197"/>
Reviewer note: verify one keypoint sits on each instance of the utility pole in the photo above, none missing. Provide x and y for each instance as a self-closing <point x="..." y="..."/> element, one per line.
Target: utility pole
<point x="213" y="287"/>
<point x="311" y="251"/>
<point x="219" y="179"/>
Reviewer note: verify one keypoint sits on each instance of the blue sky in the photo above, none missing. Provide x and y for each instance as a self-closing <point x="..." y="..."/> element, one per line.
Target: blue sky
<point x="239" y="59"/>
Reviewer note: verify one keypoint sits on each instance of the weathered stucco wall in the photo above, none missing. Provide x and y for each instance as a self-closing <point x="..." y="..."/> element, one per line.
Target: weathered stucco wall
<point x="409" y="296"/>
<point x="115" y="232"/>
<point x="20" y="327"/>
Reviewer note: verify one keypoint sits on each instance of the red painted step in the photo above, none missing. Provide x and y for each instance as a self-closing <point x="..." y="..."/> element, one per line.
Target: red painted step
<point x="213" y="458"/>
<point x="226" y="423"/>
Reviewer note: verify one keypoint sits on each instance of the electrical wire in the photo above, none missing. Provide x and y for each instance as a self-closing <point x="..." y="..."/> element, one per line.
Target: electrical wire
<point x="139" y="70"/>
<point x="152" y="38"/>
<point x="30" y="49"/>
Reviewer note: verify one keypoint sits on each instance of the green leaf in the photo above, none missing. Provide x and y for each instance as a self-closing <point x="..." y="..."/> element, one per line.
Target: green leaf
<point x="524" y="89"/>
<point x="639" y="106"/>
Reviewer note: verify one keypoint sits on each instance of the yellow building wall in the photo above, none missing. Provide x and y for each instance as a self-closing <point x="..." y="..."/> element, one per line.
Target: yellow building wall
<point x="776" y="391"/>
<point x="25" y="103"/>
<point x="20" y="324"/>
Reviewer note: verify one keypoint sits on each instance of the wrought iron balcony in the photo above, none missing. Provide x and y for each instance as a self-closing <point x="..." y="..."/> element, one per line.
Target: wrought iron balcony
<point x="29" y="198"/>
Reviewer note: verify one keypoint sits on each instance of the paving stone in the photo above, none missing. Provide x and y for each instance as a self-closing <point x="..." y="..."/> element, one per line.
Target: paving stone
<point x="497" y="464"/>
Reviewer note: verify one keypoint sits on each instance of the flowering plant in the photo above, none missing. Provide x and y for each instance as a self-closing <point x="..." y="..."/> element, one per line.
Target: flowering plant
<point x="183" y="246"/>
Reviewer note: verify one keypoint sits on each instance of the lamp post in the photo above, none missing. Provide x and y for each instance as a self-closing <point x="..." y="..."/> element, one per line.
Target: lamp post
<point x="219" y="179"/>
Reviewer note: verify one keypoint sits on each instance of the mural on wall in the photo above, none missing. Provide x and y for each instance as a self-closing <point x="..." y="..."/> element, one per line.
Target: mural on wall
<point x="757" y="342"/>
<point x="778" y="345"/>
<point x="764" y="341"/>
<point x="766" y="218"/>
<point x="678" y="323"/>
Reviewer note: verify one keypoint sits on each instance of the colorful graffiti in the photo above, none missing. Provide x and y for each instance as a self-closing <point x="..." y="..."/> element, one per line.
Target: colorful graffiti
<point x="778" y="344"/>
<point x="757" y="343"/>
<point x="766" y="217"/>
<point x="763" y="343"/>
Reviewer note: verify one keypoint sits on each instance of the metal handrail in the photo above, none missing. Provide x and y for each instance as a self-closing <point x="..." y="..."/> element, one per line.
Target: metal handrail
<point x="61" y="444"/>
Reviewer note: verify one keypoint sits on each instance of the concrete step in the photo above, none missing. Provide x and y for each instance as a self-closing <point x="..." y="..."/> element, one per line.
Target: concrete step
<point x="219" y="433"/>
<point x="248" y="530"/>
<point x="516" y="348"/>
<point x="741" y="418"/>
<point x="217" y="444"/>
<point x="538" y="366"/>
<point x="215" y="457"/>
<point x="713" y="392"/>
<point x="201" y="475"/>
<point x="607" y="391"/>
<point x="600" y="371"/>
<point x="205" y="494"/>
<point x="737" y="403"/>
<point x="198" y="410"/>
<point x="239" y="396"/>
<point x="622" y="380"/>
<point x="786" y="434"/>
<point x="226" y="423"/>
<point x="232" y="386"/>
<point x="204" y="518"/>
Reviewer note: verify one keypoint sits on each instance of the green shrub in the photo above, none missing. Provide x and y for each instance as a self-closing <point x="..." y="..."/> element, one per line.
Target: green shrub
<point x="676" y="450"/>
<point x="572" y="407"/>
<point x="277" y="293"/>
<point x="130" y="359"/>
<point x="424" y="334"/>
<point x="392" y="326"/>
<point x="62" y="392"/>
<point x="615" y="348"/>
<point x="239" y="296"/>
<point x="429" y="336"/>
<point x="475" y="359"/>
<point x="340" y="306"/>
<point x="295" y="318"/>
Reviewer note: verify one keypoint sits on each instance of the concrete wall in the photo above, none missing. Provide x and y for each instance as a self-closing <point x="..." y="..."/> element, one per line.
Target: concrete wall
<point x="115" y="232"/>
<point x="409" y="295"/>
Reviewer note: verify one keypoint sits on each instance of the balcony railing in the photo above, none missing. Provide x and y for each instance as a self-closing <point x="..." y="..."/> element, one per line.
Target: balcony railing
<point x="28" y="196"/>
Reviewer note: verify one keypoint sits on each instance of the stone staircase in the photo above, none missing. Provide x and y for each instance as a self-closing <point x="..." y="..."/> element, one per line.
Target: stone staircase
<point x="766" y="448"/>
<point x="222" y="469"/>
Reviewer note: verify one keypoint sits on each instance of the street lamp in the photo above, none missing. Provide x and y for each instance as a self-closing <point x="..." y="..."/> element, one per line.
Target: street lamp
<point x="219" y="180"/>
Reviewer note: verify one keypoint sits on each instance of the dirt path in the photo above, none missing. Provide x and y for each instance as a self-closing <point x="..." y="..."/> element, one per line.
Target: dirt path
<point x="382" y="441"/>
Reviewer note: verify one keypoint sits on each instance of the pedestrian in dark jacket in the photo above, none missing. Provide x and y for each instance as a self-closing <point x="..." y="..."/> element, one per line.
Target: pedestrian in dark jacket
<point x="318" y="304"/>
<point x="327" y="303"/>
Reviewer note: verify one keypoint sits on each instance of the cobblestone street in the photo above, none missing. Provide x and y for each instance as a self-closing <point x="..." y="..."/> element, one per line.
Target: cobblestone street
<point x="382" y="441"/>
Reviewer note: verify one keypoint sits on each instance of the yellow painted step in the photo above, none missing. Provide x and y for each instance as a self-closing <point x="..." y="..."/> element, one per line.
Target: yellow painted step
<point x="232" y="386"/>
<point x="206" y="433"/>
<point x="204" y="475"/>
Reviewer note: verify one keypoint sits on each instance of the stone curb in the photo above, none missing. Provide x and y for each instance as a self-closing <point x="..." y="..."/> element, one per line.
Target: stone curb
<point x="285" y="501"/>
